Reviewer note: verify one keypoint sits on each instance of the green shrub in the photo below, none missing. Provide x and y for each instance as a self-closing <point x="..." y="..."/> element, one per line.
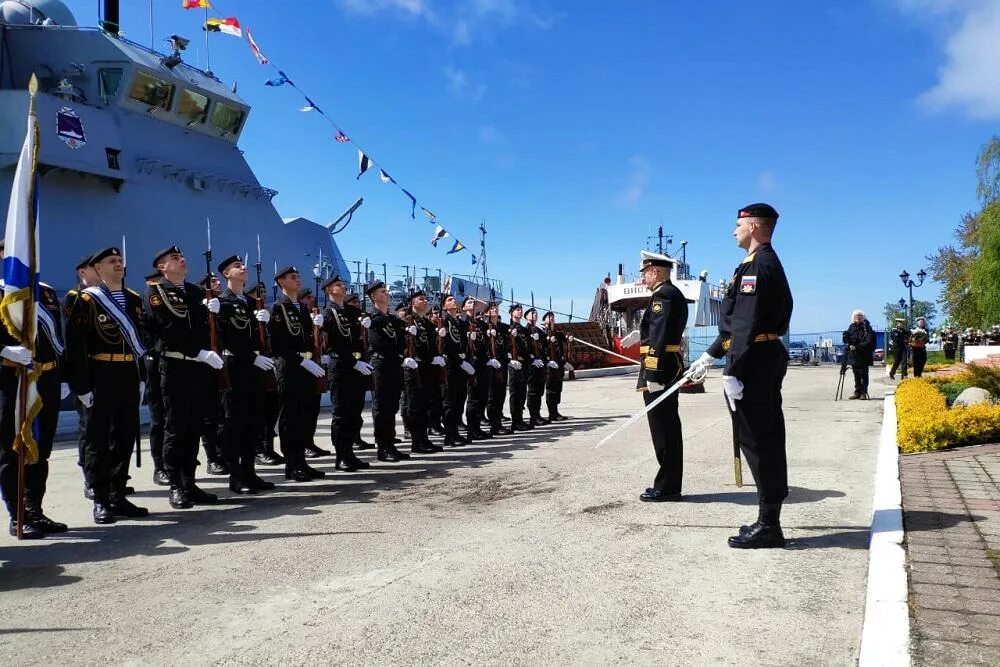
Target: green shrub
<point x="951" y="390"/>
<point x="984" y="377"/>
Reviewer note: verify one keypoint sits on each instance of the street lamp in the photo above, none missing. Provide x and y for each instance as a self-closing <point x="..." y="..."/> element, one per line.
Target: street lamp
<point x="909" y="284"/>
<point x="902" y="306"/>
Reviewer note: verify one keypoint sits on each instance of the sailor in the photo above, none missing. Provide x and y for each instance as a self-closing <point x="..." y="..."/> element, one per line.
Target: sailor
<point x="517" y="375"/>
<point x="312" y="450"/>
<point x="755" y="315"/>
<point x="477" y="354"/>
<point x="918" y="346"/>
<point x="661" y="365"/>
<point x="106" y="342"/>
<point x="238" y="324"/>
<point x="215" y="461"/>
<point x="402" y="311"/>
<point x="900" y="339"/>
<point x="154" y="398"/>
<point x="387" y="346"/>
<point x="343" y="326"/>
<point x="949" y="340"/>
<point x="420" y="377"/>
<point x="556" y="366"/>
<point x="498" y="362"/>
<point x="291" y="344"/>
<point x="458" y="370"/>
<point x="537" y="371"/>
<point x="178" y="312"/>
<point x="354" y="301"/>
<point x="86" y="276"/>
<point x="435" y="385"/>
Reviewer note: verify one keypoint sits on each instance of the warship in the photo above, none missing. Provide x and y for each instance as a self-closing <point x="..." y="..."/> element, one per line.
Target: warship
<point x="142" y="145"/>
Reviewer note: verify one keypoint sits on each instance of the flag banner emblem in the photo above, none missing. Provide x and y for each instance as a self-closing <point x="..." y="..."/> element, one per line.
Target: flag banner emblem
<point x="69" y="128"/>
<point x="261" y="58"/>
<point x="439" y="233"/>
<point x="342" y="138"/>
<point x="363" y="163"/>
<point x="459" y="246"/>
<point x="429" y="214"/>
<point x="748" y="284"/>
<point x="229" y="26"/>
<point x="196" y="4"/>
<point x="386" y="178"/>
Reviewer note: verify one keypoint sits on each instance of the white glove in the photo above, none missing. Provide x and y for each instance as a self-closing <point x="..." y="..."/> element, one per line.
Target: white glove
<point x="552" y="364"/>
<point x="63" y="391"/>
<point x="412" y="329"/>
<point x="87" y="399"/>
<point x="704" y="361"/>
<point x="210" y="358"/>
<point x="515" y="364"/>
<point x="570" y="338"/>
<point x="263" y="363"/>
<point x="493" y="363"/>
<point x="212" y="304"/>
<point x="317" y="320"/>
<point x="538" y="363"/>
<point x="491" y="332"/>
<point x="568" y="367"/>
<point x="325" y="359"/>
<point x="534" y="336"/>
<point x="630" y="339"/>
<point x="442" y="332"/>
<point x="438" y="361"/>
<point x="655" y="387"/>
<point x="552" y="339"/>
<point x="733" y="389"/>
<point x="473" y="335"/>
<point x="410" y="363"/>
<point x="363" y="367"/>
<point x="262" y="316"/>
<point x="468" y="368"/>
<point x="314" y="368"/>
<point x="17" y="353"/>
<point x="366" y="322"/>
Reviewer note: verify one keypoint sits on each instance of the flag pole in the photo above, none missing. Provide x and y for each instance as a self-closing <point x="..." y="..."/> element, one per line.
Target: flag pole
<point x="208" y="57"/>
<point x="28" y="314"/>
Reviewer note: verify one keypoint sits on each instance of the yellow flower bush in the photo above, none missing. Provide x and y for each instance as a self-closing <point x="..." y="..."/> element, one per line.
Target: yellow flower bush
<point x="925" y="424"/>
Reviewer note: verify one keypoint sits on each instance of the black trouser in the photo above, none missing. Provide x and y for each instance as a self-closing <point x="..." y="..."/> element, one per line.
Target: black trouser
<point x="347" y="397"/>
<point x="186" y="386"/>
<point x="434" y="398"/>
<point x="535" y="390"/>
<point x="517" y="386"/>
<point x="668" y="442"/>
<point x="36" y="474"/>
<point x="553" y="390"/>
<point x="760" y="422"/>
<point x="899" y="357"/>
<point x="498" y="393"/>
<point x="154" y="400"/>
<point x="271" y="401"/>
<point x="315" y="407"/>
<point x="296" y="425"/>
<point x="456" y="390"/>
<point x="240" y="415"/>
<point x="479" y="396"/>
<point x="419" y="384"/>
<point x="387" y="385"/>
<point x="949" y="352"/>
<point x="83" y="415"/>
<point x="919" y="361"/>
<point x="860" y="379"/>
<point x="112" y="428"/>
<point x="212" y="428"/>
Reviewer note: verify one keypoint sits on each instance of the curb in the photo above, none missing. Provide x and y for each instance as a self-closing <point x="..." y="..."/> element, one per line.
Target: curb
<point x="885" y="636"/>
<point x="604" y="372"/>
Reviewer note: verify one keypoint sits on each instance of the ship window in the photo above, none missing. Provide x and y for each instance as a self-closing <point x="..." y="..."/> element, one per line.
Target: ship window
<point x="192" y="106"/>
<point x="110" y="80"/>
<point x="152" y="91"/>
<point x="227" y="118"/>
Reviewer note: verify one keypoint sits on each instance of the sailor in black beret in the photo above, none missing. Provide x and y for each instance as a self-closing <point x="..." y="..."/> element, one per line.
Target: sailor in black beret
<point x="281" y="273"/>
<point x="152" y="277"/>
<point x="224" y="264"/>
<point x="529" y="312"/>
<point x="467" y="299"/>
<point x="374" y="287"/>
<point x="419" y="294"/>
<point x="547" y="315"/>
<point x="515" y="306"/>
<point x="760" y="210"/>
<point x="329" y="281"/>
<point x="83" y="262"/>
<point x="101" y="254"/>
<point x="172" y="250"/>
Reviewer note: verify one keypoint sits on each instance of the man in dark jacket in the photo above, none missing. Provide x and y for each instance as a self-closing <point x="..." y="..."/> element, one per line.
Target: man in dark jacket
<point x="860" y="341"/>
<point x="900" y="338"/>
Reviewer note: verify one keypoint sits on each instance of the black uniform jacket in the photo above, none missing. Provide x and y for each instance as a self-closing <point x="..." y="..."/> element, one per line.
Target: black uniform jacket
<point x="555" y="348"/>
<point x="757" y="308"/>
<point x="537" y="343"/>
<point x="425" y="343"/>
<point x="239" y="330"/>
<point x="500" y="342"/>
<point x="387" y="337"/>
<point x="900" y="338"/>
<point x="92" y="331"/>
<point x="176" y="317"/>
<point x="478" y="350"/>
<point x="342" y="326"/>
<point x="291" y="331"/>
<point x="455" y="347"/>
<point x="660" y="332"/>
<point x="519" y="348"/>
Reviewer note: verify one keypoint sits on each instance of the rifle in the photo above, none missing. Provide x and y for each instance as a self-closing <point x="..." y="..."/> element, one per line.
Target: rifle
<point x="270" y="381"/>
<point x="550" y="332"/>
<point x="438" y="323"/>
<point x="138" y="417"/>
<point x="317" y="354"/>
<point x="497" y="372"/>
<point x="470" y="351"/>
<point x="411" y="348"/>
<point x="213" y="335"/>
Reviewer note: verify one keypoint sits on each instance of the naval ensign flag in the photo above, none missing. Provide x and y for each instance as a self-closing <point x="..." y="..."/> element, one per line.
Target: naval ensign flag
<point x="20" y="276"/>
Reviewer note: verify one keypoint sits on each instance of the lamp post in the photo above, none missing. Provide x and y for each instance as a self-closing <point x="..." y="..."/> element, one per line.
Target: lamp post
<point x="909" y="284"/>
<point x="902" y="307"/>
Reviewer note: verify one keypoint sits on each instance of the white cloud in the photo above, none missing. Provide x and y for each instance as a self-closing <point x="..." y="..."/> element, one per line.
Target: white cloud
<point x="969" y="79"/>
<point x="638" y="181"/>
<point x="371" y="7"/>
<point x="767" y="182"/>
<point x="488" y="134"/>
<point x="462" y="86"/>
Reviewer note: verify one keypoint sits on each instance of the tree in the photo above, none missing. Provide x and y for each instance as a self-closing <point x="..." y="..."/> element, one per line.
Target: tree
<point x="925" y="309"/>
<point x="984" y="271"/>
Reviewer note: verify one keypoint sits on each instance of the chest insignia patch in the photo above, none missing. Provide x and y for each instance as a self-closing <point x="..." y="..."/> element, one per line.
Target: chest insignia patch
<point x="748" y="285"/>
<point x="154" y="300"/>
<point x="657" y="307"/>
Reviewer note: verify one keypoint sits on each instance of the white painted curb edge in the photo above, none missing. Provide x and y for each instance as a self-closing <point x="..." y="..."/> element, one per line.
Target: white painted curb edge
<point x="885" y="637"/>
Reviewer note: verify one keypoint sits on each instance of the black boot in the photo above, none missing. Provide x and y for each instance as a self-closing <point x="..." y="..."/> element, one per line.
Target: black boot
<point x="360" y="444"/>
<point x="217" y="468"/>
<point x="239" y="483"/>
<point x="297" y="473"/>
<point x="123" y="507"/>
<point x="34" y="517"/>
<point x="29" y="532"/>
<point x="386" y="455"/>
<point x="250" y="476"/>
<point x="179" y="498"/>
<point x="765" y="533"/>
<point x="160" y="477"/>
<point x="102" y="512"/>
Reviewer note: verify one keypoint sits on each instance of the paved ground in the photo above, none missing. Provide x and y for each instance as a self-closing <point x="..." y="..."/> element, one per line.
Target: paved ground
<point x="528" y="550"/>
<point x="951" y="513"/>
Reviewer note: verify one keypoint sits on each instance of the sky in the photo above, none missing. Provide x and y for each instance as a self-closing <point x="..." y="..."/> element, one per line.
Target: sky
<point x="575" y="129"/>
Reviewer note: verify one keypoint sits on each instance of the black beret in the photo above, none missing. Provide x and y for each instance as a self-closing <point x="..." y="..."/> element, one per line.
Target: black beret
<point x="101" y="254"/>
<point x="227" y="261"/>
<point x="548" y="314"/>
<point x="84" y="262"/>
<point x="444" y="298"/>
<point x="492" y="304"/>
<point x="285" y="271"/>
<point x="352" y="297"/>
<point x="530" y="310"/>
<point x="515" y="306"/>
<point x="402" y="305"/>
<point x="378" y="284"/>
<point x="758" y="211"/>
<point x="467" y="300"/>
<point x="165" y="251"/>
<point x="416" y="294"/>
<point x="206" y="280"/>
<point x="155" y="275"/>
<point x="331" y="281"/>
<point x="303" y="293"/>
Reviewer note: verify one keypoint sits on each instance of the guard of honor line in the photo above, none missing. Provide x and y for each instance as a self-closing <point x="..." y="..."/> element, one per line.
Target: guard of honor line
<point x="216" y="365"/>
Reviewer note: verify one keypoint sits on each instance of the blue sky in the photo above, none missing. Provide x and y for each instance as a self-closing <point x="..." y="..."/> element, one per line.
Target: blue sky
<point x="576" y="128"/>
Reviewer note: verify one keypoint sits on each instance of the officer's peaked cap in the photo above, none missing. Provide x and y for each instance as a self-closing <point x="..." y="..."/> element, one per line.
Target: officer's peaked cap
<point x="647" y="259"/>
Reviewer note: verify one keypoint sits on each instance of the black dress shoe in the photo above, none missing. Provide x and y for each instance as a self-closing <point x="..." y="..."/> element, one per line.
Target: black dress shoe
<point x="267" y="459"/>
<point x="129" y="491"/>
<point x="402" y="456"/>
<point x="397" y="441"/>
<point x="179" y="499"/>
<point x="44" y="523"/>
<point x="160" y="477"/>
<point x="217" y="468"/>
<point x="361" y="445"/>
<point x="500" y="430"/>
<point x="539" y="421"/>
<point x="455" y="442"/>
<point x="314" y="452"/>
<point x="240" y="486"/>
<point x="437" y="429"/>
<point x="387" y="456"/>
<point x="29" y="532"/>
<point x="258" y="484"/>
<point x="348" y="465"/>
<point x="103" y="513"/>
<point x="759" y="536"/>
<point x="520" y="426"/>
<point x="313" y="472"/>
<point x="654" y="496"/>
<point x="423" y="448"/>
<point x="127" y="509"/>
<point x="298" y="474"/>
<point x="201" y="497"/>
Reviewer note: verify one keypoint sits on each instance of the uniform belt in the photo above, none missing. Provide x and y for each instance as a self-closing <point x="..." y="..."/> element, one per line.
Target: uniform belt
<point x="763" y="338"/>
<point x="42" y="366"/>
<point x="170" y="354"/>
<point x="305" y="355"/>
<point x="646" y="349"/>
<point x="107" y="356"/>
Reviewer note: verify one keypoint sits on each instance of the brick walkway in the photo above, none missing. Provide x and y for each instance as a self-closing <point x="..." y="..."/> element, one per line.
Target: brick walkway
<point x="951" y="514"/>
